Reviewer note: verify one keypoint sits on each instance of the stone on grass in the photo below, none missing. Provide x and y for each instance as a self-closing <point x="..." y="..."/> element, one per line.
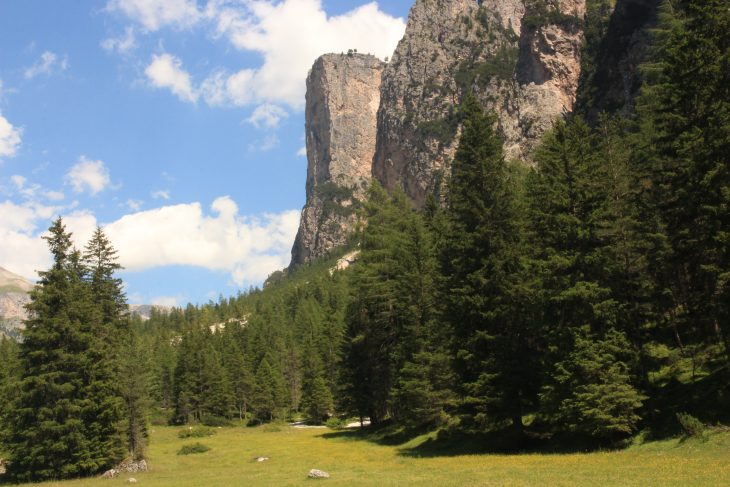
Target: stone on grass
<point x="318" y="474"/>
<point x="131" y="480"/>
<point x="127" y="466"/>
<point x="260" y="459"/>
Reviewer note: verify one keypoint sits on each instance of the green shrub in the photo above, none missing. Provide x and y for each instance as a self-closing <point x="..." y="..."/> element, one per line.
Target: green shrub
<point x="196" y="432"/>
<point x="691" y="426"/>
<point x="336" y="423"/>
<point x="193" y="448"/>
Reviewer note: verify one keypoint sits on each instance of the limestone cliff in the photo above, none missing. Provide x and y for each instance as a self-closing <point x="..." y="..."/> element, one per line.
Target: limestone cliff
<point x="520" y="57"/>
<point x="343" y="96"/>
<point x="529" y="61"/>
<point x="14" y="296"/>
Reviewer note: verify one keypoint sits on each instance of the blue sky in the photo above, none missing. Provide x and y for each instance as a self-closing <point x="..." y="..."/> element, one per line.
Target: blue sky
<point x="177" y="125"/>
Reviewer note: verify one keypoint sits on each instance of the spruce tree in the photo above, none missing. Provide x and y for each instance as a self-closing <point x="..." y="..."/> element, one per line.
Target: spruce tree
<point x="64" y="419"/>
<point x="591" y="391"/>
<point x="483" y="275"/>
<point x="270" y="397"/>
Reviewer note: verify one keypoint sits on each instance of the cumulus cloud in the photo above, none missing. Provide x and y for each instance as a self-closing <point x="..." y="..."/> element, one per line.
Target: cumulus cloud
<point x="290" y="34"/>
<point x="88" y="175"/>
<point x="247" y="247"/>
<point x="287" y="34"/>
<point x="162" y="194"/>
<point x="9" y="138"/>
<point x="267" y="115"/>
<point x="221" y="239"/>
<point x="22" y="250"/>
<point x="48" y="63"/>
<point x="155" y="14"/>
<point x="122" y="44"/>
<point x="165" y="71"/>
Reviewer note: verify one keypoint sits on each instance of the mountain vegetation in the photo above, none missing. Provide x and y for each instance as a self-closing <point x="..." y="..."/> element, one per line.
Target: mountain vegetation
<point x="577" y="302"/>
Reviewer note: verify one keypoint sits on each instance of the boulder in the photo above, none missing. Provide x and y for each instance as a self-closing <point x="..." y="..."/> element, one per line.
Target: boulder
<point x="127" y="466"/>
<point x="318" y="474"/>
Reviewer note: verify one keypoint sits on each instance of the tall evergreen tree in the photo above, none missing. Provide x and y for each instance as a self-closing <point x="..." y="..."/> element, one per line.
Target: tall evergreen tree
<point x="483" y="274"/>
<point x="64" y="419"/>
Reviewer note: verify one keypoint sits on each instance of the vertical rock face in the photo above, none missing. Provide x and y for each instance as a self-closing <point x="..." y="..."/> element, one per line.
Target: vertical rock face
<point x="616" y="80"/>
<point x="343" y="96"/>
<point x="520" y="57"/>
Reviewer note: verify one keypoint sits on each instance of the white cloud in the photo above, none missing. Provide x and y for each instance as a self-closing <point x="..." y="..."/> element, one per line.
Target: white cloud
<point x="264" y="145"/>
<point x="162" y="194"/>
<point x="288" y="34"/>
<point x="54" y="195"/>
<point x="46" y="65"/>
<point x="9" y="138"/>
<point x="248" y="248"/>
<point x="165" y="71"/>
<point x="31" y="191"/>
<point x="134" y="205"/>
<point x="302" y="152"/>
<point x="267" y="115"/>
<point x="22" y="249"/>
<point x="122" y="44"/>
<point x="155" y="14"/>
<point x="88" y="175"/>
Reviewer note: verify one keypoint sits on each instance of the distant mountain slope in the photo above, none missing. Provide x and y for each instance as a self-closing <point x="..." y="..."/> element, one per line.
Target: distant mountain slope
<point x="14" y="296"/>
<point x="13" y="283"/>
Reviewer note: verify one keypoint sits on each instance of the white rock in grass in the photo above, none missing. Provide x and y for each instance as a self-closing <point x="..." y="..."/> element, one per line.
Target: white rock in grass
<point x="318" y="474"/>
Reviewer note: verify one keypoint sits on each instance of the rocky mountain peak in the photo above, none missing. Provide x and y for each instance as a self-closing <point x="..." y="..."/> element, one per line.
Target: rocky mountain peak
<point x="343" y="96"/>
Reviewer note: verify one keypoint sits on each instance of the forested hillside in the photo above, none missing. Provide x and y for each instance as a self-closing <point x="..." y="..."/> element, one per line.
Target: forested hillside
<point x="577" y="302"/>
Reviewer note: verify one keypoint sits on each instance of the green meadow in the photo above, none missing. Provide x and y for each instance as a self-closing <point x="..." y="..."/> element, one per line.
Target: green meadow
<point x="353" y="458"/>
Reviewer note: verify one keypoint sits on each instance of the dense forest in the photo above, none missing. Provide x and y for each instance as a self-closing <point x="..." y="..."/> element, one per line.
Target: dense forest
<point x="581" y="300"/>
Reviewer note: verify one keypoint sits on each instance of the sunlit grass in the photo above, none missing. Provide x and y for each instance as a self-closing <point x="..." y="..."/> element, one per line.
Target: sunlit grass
<point x="354" y="461"/>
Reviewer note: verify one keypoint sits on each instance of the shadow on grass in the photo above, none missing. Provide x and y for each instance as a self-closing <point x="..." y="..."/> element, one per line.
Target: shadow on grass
<point x="424" y="443"/>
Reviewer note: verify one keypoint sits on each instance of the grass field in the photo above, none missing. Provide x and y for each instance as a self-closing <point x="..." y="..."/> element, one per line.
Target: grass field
<point x="352" y="460"/>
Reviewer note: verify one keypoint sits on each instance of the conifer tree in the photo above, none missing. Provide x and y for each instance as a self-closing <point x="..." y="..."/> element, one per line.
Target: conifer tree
<point x="134" y="384"/>
<point x="270" y="396"/>
<point x="483" y="274"/>
<point x="591" y="390"/>
<point x="64" y="418"/>
<point x="118" y="339"/>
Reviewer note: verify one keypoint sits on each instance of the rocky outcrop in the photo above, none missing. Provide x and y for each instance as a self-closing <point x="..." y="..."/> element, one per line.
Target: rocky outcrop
<point x="127" y="466"/>
<point x="14" y="297"/>
<point x="520" y="57"/>
<point x="343" y="96"/>
<point x="615" y="82"/>
<point x="547" y="74"/>
<point x="525" y="60"/>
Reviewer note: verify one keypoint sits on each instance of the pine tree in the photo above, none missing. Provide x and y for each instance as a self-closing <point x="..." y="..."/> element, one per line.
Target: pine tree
<point x="9" y="375"/>
<point x="591" y="389"/>
<point x="134" y="384"/>
<point x="217" y="396"/>
<point x="483" y="273"/>
<point x="118" y="339"/>
<point x="64" y="419"/>
<point x="318" y="402"/>
<point x="270" y="396"/>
